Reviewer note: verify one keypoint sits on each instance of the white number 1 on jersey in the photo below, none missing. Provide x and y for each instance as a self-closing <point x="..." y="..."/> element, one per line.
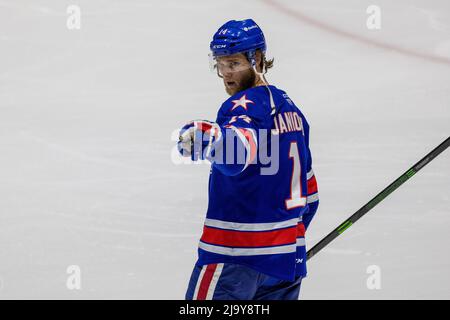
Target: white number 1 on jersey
<point x="296" y="200"/>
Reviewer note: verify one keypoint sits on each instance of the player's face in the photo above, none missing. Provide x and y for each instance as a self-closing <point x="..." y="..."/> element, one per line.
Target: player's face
<point x="237" y="73"/>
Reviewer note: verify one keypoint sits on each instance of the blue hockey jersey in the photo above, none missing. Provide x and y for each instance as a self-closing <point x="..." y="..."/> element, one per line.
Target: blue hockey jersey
<point x="259" y="210"/>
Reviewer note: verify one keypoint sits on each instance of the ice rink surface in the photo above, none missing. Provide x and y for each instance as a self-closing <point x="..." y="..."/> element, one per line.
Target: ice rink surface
<point x="87" y="118"/>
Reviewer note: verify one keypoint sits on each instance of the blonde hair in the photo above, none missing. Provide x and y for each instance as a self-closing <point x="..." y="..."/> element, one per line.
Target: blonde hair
<point x="268" y="63"/>
<point x="265" y="64"/>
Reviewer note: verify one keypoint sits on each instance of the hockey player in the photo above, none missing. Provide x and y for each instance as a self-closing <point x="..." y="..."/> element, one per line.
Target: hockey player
<point x="253" y="242"/>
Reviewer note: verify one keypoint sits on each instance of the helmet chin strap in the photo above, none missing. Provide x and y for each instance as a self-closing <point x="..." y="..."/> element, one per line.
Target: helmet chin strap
<point x="263" y="79"/>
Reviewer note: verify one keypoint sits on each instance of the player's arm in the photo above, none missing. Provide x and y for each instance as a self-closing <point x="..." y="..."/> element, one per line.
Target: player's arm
<point x="237" y="147"/>
<point x="230" y="147"/>
<point x="312" y="198"/>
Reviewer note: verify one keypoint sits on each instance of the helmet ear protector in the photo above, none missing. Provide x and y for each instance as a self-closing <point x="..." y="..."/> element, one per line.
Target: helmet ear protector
<point x="251" y="57"/>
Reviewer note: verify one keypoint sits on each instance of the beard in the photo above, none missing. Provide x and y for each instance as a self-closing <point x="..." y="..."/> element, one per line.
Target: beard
<point x="246" y="81"/>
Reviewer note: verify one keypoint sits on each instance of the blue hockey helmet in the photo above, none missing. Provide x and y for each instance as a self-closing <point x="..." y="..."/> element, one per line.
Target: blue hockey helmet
<point x="238" y="36"/>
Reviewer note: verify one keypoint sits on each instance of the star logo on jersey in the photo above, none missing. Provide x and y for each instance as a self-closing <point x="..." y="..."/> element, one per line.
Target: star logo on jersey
<point x="242" y="102"/>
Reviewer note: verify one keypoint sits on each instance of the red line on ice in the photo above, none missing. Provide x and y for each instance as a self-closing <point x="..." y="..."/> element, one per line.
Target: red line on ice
<point x="328" y="28"/>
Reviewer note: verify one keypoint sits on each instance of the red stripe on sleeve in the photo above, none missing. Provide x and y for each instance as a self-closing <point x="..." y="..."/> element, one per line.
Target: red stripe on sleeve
<point x="249" y="137"/>
<point x="301" y="229"/>
<point x="312" y="185"/>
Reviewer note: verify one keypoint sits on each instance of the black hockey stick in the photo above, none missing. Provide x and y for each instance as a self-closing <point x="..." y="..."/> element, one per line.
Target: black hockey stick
<point x="377" y="199"/>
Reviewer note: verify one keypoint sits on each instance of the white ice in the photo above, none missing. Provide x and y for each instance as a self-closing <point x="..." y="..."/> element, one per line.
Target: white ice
<point x="86" y="119"/>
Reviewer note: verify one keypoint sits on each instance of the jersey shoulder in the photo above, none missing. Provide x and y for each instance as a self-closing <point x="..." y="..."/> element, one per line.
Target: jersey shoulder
<point x="253" y="103"/>
<point x="285" y="103"/>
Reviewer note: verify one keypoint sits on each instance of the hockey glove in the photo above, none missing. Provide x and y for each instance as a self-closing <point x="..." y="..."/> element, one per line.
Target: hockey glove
<point x="197" y="139"/>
